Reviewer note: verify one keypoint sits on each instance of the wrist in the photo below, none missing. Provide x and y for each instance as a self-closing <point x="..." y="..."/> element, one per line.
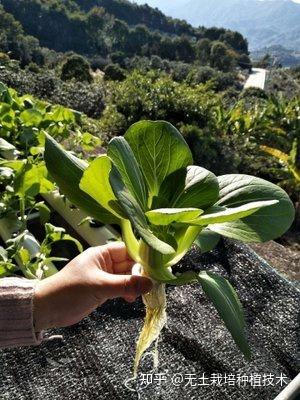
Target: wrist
<point x="42" y="314"/>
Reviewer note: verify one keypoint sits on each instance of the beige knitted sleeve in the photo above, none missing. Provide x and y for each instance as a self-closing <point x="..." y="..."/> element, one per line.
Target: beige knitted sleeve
<point x="16" y="313"/>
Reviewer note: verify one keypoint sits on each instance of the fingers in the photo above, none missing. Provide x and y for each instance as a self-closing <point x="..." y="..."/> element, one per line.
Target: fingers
<point x="113" y="258"/>
<point x="118" y="252"/>
<point x="123" y="267"/>
<point x="126" y="286"/>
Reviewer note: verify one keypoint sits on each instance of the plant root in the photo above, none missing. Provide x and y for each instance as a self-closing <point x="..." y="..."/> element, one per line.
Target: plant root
<point x="155" y="320"/>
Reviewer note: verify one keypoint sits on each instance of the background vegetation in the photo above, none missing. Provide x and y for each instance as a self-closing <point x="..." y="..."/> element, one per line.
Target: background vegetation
<point x="117" y="63"/>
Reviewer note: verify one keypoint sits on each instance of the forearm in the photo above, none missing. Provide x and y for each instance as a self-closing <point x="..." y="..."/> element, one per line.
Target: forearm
<point x="16" y="313"/>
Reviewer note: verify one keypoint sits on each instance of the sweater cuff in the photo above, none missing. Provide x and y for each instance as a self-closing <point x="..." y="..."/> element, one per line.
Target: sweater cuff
<point x="16" y="313"/>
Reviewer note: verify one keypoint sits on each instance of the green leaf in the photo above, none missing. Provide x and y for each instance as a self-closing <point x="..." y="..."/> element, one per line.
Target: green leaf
<point x="54" y="259"/>
<point x="54" y="230"/>
<point x="88" y="141"/>
<point x="31" y="117"/>
<point x="195" y="187"/>
<point x="207" y="240"/>
<point x="69" y="238"/>
<point x="67" y="171"/>
<point x="7" y="268"/>
<point x="216" y="214"/>
<point x="44" y="212"/>
<point x="24" y="255"/>
<point x="31" y="180"/>
<point x="123" y="158"/>
<point x="57" y="233"/>
<point x="135" y="214"/>
<point x="165" y="216"/>
<point x="5" y="94"/>
<point x="263" y="225"/>
<point x="3" y="252"/>
<point x="95" y="182"/>
<point x="226" y="301"/>
<point x="7" y="116"/>
<point x="159" y="149"/>
<point x="61" y="114"/>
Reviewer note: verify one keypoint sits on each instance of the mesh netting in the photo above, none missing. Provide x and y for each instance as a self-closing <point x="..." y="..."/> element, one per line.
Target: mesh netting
<point x="96" y="356"/>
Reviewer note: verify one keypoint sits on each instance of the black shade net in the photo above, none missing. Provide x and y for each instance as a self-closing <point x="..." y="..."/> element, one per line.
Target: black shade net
<point x="197" y="356"/>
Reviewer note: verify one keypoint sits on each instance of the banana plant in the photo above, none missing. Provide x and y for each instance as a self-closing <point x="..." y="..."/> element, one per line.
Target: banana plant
<point x="290" y="160"/>
<point x="147" y="183"/>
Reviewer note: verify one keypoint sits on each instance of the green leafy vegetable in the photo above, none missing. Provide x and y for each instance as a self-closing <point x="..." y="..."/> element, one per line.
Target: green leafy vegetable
<point x="207" y="240"/>
<point x="67" y="171"/>
<point x="154" y="145"/>
<point x="164" y="204"/>
<point x="224" y="298"/>
<point x="165" y="216"/>
<point x="263" y="225"/>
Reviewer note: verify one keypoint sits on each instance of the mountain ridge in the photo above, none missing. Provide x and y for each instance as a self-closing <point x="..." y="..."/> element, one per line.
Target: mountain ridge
<point x="264" y="23"/>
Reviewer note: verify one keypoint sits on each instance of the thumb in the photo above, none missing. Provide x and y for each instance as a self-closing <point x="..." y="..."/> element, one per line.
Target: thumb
<point x="128" y="286"/>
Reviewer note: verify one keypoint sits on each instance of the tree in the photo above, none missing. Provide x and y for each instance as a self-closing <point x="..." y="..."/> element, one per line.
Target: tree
<point x="119" y="32"/>
<point x="118" y="57"/>
<point x="167" y="48"/>
<point x="95" y="19"/>
<point x="76" y="67"/>
<point x="139" y="38"/>
<point x="264" y="62"/>
<point x="221" y="58"/>
<point x="201" y="75"/>
<point x="203" y="48"/>
<point x="114" y="72"/>
<point x="156" y="62"/>
<point x="235" y="40"/>
<point x="214" y="33"/>
<point x="244" y="61"/>
<point x="185" y="51"/>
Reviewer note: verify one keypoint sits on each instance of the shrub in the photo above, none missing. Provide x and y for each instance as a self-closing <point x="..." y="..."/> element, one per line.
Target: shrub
<point x="223" y="81"/>
<point x="33" y="67"/>
<point x="114" y="72"/>
<point x="76" y="67"/>
<point x="221" y="57"/>
<point x="112" y="123"/>
<point x="253" y="92"/>
<point x="153" y="96"/>
<point x="201" y="75"/>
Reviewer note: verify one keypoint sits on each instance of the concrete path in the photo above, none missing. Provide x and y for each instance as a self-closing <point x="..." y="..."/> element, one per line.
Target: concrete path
<point x="256" y="79"/>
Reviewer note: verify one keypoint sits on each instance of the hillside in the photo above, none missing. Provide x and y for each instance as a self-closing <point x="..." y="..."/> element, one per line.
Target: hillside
<point x="99" y="29"/>
<point x="279" y="55"/>
<point x="264" y="23"/>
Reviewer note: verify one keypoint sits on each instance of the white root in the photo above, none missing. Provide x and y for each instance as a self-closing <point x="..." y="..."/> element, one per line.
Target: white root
<point x="155" y="320"/>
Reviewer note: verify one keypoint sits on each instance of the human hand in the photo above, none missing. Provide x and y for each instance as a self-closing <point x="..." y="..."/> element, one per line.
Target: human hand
<point x="96" y="275"/>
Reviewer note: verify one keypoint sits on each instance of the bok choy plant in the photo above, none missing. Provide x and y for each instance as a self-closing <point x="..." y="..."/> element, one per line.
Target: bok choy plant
<point x="147" y="183"/>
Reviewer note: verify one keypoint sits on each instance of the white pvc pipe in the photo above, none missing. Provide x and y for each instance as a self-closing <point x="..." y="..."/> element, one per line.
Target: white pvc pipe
<point x="8" y="227"/>
<point x="8" y="150"/>
<point x="292" y="390"/>
<point x="73" y="216"/>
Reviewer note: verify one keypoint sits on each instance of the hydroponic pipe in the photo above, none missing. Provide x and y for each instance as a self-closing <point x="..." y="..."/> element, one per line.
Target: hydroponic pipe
<point x="7" y="229"/>
<point x="73" y="216"/>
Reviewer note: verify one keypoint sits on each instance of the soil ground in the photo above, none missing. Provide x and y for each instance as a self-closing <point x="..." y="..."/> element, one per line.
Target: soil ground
<point x="284" y="256"/>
